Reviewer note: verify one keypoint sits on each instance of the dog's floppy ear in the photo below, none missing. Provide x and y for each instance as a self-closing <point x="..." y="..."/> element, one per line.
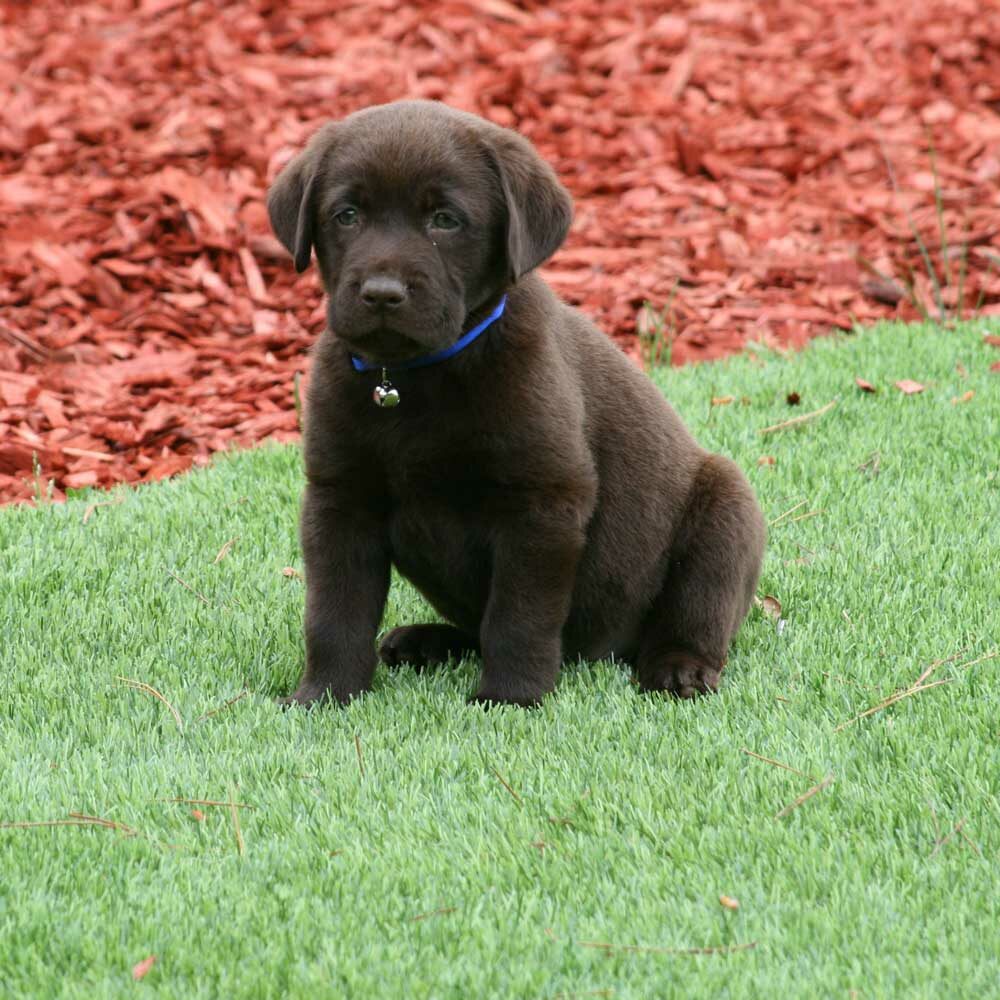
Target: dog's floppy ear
<point x="539" y="208"/>
<point x="290" y="200"/>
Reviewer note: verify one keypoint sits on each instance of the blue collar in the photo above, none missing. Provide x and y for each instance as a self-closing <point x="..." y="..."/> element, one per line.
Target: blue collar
<point x="430" y="359"/>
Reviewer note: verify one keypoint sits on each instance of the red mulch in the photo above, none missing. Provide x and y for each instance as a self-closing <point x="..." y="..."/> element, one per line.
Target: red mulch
<point x="750" y="153"/>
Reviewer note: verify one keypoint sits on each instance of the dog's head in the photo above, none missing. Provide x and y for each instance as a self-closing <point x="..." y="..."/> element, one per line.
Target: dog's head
<point x="420" y="215"/>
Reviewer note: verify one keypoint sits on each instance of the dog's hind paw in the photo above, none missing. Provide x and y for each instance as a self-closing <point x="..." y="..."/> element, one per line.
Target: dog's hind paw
<point x="424" y="645"/>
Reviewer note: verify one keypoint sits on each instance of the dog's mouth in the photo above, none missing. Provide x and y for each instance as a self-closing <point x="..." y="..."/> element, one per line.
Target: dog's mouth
<point x="384" y="345"/>
<point x="392" y="340"/>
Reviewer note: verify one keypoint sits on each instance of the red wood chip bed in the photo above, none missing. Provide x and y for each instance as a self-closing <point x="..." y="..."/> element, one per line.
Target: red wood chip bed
<point x="751" y="165"/>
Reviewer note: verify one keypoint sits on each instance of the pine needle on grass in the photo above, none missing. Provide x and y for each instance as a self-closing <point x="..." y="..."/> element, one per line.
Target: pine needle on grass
<point x="791" y="510"/>
<point x="720" y="949"/>
<point x="503" y="782"/>
<point x="357" y="747"/>
<point x="957" y="828"/>
<point x="188" y="587"/>
<point x="224" y="551"/>
<point x="804" y="797"/>
<point x="776" y="763"/>
<point x="76" y="819"/>
<point x="802" y="517"/>
<point x="234" y="813"/>
<point x="980" y="659"/>
<point x="88" y="513"/>
<point x="891" y="700"/>
<point x="223" y="706"/>
<point x="919" y="684"/>
<point x="210" y="802"/>
<point x="795" y="421"/>
<point x="147" y="689"/>
<point x="433" y="913"/>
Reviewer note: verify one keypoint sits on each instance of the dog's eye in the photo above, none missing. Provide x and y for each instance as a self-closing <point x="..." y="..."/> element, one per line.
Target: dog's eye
<point x="444" y="220"/>
<point x="347" y="216"/>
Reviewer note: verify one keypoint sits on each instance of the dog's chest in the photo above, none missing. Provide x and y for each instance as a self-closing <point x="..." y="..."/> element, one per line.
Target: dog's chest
<point x="442" y="499"/>
<point x="439" y="539"/>
<point x="432" y="502"/>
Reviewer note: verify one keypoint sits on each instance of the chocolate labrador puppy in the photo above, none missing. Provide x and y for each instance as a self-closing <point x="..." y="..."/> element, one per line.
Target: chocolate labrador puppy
<point x="531" y="483"/>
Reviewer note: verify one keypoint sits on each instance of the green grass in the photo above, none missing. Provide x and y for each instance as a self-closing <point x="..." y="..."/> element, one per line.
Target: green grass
<point x="658" y="811"/>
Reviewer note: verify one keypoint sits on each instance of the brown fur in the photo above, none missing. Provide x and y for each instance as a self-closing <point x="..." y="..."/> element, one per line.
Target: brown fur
<point x="536" y="488"/>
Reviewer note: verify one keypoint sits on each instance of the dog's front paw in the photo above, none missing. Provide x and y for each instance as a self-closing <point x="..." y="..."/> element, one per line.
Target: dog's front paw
<point x="308" y="694"/>
<point x="504" y="692"/>
<point x="681" y="674"/>
<point x="486" y="700"/>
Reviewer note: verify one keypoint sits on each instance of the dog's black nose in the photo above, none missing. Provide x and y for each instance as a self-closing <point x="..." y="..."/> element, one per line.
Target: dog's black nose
<point x="383" y="292"/>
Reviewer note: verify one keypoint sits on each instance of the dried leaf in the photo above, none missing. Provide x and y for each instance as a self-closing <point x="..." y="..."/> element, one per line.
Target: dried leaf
<point x="909" y="386"/>
<point x="771" y="606"/>
<point x="141" y="968"/>
<point x="722" y="400"/>
<point x="224" y="551"/>
<point x="292" y="573"/>
<point x="766" y="460"/>
<point x="729" y="902"/>
<point x="964" y="398"/>
<point x="793" y="399"/>
<point x="864" y="386"/>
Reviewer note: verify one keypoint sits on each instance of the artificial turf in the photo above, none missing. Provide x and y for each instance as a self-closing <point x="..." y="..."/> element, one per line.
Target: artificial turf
<point x="412" y="845"/>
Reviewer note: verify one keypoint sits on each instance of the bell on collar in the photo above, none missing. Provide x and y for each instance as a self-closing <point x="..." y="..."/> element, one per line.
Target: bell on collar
<point x="386" y="394"/>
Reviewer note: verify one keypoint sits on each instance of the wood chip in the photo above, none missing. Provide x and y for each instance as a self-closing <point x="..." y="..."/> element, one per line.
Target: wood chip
<point x="138" y="266"/>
